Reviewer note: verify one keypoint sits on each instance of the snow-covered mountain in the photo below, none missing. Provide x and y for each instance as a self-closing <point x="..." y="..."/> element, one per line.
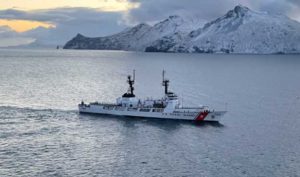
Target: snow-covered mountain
<point x="136" y="38"/>
<point x="241" y="30"/>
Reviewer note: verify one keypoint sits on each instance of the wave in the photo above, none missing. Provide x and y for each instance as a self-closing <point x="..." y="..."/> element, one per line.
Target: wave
<point x="36" y="109"/>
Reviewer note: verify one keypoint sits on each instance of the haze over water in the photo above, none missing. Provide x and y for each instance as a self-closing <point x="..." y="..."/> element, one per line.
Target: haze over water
<point x="42" y="134"/>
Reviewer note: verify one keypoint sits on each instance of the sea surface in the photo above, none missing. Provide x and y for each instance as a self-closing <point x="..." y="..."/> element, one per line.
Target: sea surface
<point x="42" y="134"/>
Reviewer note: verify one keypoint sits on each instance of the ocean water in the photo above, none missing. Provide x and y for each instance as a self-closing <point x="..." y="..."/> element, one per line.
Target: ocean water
<point x="42" y="134"/>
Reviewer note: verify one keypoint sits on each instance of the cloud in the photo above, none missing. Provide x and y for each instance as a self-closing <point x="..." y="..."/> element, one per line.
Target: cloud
<point x="68" y="22"/>
<point x="15" y="41"/>
<point x="203" y="9"/>
<point x="93" y="22"/>
<point x="104" y="5"/>
<point x="5" y="31"/>
<point x="8" y="37"/>
<point x="23" y="25"/>
<point x="207" y="9"/>
<point x="290" y="8"/>
<point x="57" y="15"/>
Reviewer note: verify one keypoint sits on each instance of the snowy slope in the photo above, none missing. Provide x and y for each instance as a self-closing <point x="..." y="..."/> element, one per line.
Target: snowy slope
<point x="241" y="30"/>
<point x="136" y="38"/>
<point x="120" y="41"/>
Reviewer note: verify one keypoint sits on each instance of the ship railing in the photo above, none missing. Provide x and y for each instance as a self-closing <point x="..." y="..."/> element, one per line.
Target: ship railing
<point x="157" y="110"/>
<point x="103" y="104"/>
<point x="84" y="105"/>
<point x="201" y="107"/>
<point x="120" y="108"/>
<point x="186" y="111"/>
<point x="132" y="109"/>
<point x="145" y="109"/>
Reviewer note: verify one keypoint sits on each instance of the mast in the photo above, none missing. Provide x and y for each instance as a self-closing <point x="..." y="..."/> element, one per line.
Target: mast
<point x="165" y="82"/>
<point x="133" y="75"/>
<point x="131" y="83"/>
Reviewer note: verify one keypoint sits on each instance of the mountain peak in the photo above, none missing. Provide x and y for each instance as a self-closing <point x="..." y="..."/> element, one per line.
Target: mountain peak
<point x="171" y="20"/>
<point x="240" y="30"/>
<point x="174" y="16"/>
<point x="141" y="25"/>
<point x="79" y="36"/>
<point x="239" y="9"/>
<point x="138" y="27"/>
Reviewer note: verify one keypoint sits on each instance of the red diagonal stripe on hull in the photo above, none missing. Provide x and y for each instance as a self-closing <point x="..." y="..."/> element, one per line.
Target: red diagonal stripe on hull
<point x="201" y="116"/>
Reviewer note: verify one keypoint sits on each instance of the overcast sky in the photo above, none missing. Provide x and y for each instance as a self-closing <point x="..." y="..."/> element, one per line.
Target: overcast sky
<point x="56" y="21"/>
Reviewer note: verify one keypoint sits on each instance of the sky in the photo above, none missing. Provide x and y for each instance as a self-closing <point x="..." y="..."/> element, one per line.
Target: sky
<point x="53" y="22"/>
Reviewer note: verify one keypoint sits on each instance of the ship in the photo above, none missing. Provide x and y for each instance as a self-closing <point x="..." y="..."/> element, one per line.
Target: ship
<point x="167" y="107"/>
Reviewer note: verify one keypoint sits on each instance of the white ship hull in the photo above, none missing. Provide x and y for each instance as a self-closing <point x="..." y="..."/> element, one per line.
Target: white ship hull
<point x="168" y="107"/>
<point x="193" y="114"/>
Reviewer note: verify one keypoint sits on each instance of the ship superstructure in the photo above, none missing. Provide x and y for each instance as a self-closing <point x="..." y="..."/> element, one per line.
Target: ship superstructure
<point x="167" y="107"/>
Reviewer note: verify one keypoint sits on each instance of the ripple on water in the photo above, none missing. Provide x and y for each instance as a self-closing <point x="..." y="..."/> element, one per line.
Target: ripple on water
<point x="41" y="133"/>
